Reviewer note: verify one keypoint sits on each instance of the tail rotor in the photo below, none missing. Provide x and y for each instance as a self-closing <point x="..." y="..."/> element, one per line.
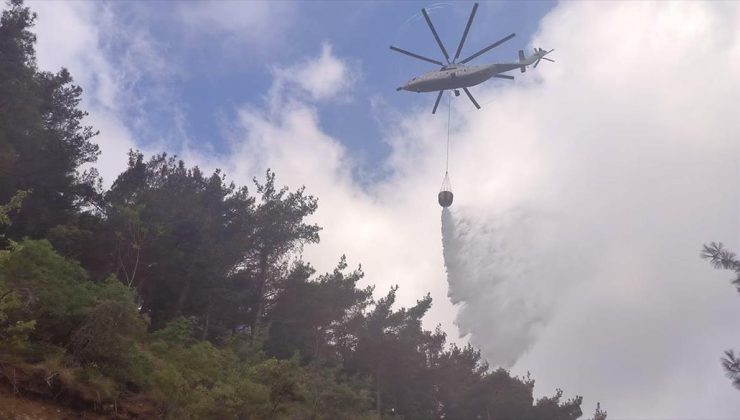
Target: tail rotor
<point x="540" y="54"/>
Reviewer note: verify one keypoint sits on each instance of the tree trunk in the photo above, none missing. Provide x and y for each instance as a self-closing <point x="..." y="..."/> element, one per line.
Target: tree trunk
<point x="316" y="403"/>
<point x="208" y="318"/>
<point x="318" y="340"/>
<point x="184" y="292"/>
<point x="136" y="266"/>
<point x="262" y="279"/>
<point x="377" y="392"/>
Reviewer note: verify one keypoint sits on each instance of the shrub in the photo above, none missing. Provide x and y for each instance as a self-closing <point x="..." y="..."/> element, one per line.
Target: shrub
<point x="109" y="333"/>
<point x="55" y="291"/>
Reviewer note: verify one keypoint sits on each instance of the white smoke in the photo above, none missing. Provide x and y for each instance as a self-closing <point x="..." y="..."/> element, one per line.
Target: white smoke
<point x="491" y="266"/>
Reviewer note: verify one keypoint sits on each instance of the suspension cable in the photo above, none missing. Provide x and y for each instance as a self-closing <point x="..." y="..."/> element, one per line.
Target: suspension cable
<point x="449" y="109"/>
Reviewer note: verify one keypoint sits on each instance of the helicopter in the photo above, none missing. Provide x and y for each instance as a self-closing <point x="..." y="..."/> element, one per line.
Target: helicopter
<point x="456" y="75"/>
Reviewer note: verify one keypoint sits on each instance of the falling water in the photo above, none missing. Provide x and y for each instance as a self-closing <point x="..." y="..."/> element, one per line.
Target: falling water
<point x="489" y="275"/>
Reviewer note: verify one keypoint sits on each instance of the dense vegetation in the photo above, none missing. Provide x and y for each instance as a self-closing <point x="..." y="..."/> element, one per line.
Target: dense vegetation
<point x="177" y="294"/>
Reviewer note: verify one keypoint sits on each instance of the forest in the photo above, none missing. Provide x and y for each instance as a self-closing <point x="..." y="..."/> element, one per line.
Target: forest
<point x="177" y="294"/>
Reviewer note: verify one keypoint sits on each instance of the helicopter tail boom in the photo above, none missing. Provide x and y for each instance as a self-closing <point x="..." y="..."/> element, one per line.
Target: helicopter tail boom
<point x="522" y="60"/>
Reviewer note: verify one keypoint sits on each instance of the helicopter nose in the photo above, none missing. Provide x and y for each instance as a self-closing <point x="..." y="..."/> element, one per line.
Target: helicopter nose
<point x="407" y="86"/>
<point x="411" y="86"/>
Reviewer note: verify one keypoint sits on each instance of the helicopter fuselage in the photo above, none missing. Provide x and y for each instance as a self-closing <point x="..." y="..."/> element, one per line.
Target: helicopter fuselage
<point x="456" y="76"/>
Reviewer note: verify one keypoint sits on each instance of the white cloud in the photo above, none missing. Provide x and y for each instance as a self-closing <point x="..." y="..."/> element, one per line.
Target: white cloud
<point x="323" y="78"/>
<point x="76" y="35"/>
<point x="313" y="80"/>
<point x="112" y="60"/>
<point x="242" y="26"/>
<point x="68" y="37"/>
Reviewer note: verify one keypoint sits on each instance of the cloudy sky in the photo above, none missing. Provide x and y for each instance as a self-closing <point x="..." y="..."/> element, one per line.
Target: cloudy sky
<point x="583" y="190"/>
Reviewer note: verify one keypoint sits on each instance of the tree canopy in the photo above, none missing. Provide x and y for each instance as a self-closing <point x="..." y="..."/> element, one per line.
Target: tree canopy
<point x="43" y="142"/>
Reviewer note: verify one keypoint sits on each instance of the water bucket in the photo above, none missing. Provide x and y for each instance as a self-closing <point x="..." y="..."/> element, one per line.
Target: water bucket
<point x="445" y="198"/>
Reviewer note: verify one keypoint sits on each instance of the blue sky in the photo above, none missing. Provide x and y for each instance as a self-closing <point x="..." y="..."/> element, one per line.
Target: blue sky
<point x="213" y="78"/>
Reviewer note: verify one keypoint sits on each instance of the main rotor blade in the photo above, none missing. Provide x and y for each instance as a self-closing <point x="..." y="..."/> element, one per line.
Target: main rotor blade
<point x="467" y="92"/>
<point x="439" y="96"/>
<point x="494" y="45"/>
<point x="465" y="34"/>
<point x="434" y="32"/>
<point x="504" y="76"/>
<point x="420" y="57"/>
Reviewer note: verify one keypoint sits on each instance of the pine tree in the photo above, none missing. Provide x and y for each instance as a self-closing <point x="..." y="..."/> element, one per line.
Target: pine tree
<point x="722" y="258"/>
<point x="42" y="140"/>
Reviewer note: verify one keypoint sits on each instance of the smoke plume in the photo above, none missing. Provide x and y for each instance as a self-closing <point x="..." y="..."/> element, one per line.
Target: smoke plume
<point x="489" y="270"/>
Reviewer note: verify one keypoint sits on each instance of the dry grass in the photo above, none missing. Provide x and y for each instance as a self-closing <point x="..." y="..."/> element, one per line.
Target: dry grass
<point x="50" y="390"/>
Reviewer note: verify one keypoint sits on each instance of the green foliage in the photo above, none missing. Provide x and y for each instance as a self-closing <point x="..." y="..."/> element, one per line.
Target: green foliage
<point x="553" y="408"/>
<point x="13" y="205"/>
<point x="109" y="333"/>
<point x="331" y="395"/>
<point x="13" y="334"/>
<point x="178" y="333"/>
<point x="392" y="349"/>
<point x="307" y="314"/>
<point x="731" y="363"/>
<point x="91" y="376"/>
<point x="42" y="140"/>
<point x="283" y="380"/>
<point x="55" y="292"/>
<point x="49" y="300"/>
<point x="195" y="379"/>
<point x="722" y="258"/>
